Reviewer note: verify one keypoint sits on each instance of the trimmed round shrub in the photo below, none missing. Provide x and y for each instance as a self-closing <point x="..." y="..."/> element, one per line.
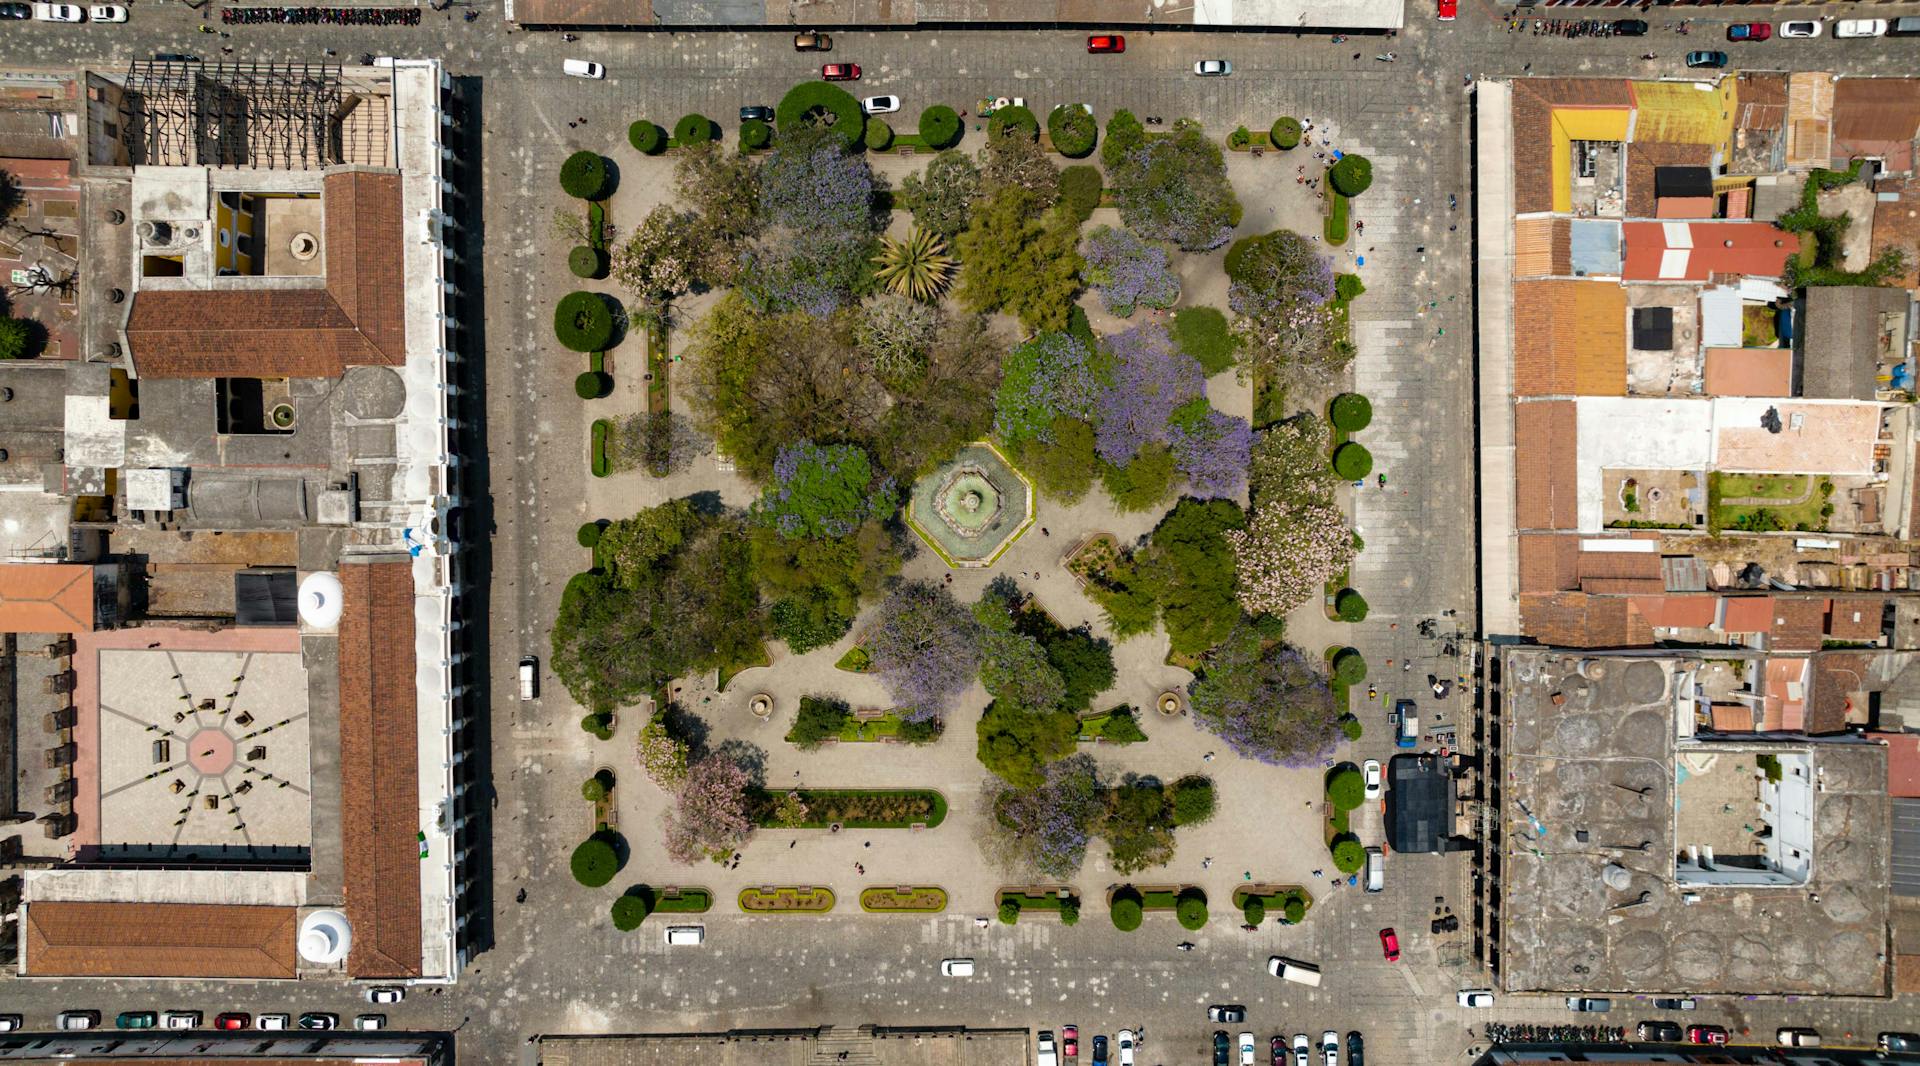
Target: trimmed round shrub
<point x="1193" y="800"/>
<point x="940" y="126"/>
<point x="1350" y="726"/>
<point x="1255" y="911"/>
<point x="584" y="176"/>
<point x="1351" y="176"/>
<point x="1348" y="855"/>
<point x="1295" y="909"/>
<point x="1285" y="132"/>
<point x="1352" y="461"/>
<point x="599" y="723"/>
<point x="1349" y="666"/>
<point x="755" y="134"/>
<point x="1126" y="910"/>
<point x="589" y="534"/>
<point x="1350" y="411"/>
<point x="594" y="862"/>
<point x="1346" y="289"/>
<point x="1346" y="789"/>
<point x="1191" y="909"/>
<point x="592" y="385"/>
<point x="879" y="136"/>
<point x="629" y="911"/>
<point x="585" y="262"/>
<point x="1080" y="189"/>
<point x="646" y="137"/>
<point x="1009" y="911"/>
<point x="1239" y="138"/>
<point x="1070" y="911"/>
<point x="817" y="103"/>
<point x="1073" y="130"/>
<point x="1014" y="118"/>
<point x="693" y="129"/>
<point x="584" y="321"/>
<point x="1350" y="605"/>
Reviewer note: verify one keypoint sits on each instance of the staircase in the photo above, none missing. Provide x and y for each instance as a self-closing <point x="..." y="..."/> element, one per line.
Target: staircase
<point x="844" y="1045"/>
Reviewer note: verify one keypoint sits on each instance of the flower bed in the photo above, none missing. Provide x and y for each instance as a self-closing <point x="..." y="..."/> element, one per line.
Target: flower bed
<point x="786" y="900"/>
<point x="855" y="661"/>
<point x="854" y="808"/>
<point x="1094" y="557"/>
<point x="928" y="899"/>
<point x="1043" y="900"/>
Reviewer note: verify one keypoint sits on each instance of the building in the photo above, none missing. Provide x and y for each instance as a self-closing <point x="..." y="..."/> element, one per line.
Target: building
<point x="1375" y="15"/>
<point x="168" y="1049"/>
<point x="823" y="1046"/>
<point x="241" y="714"/>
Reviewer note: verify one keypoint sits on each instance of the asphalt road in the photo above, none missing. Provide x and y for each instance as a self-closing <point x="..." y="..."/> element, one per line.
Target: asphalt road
<point x="554" y="968"/>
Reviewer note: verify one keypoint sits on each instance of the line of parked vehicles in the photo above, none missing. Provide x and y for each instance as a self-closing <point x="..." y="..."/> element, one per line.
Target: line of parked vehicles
<point x="63" y="12"/>
<point x="79" y="1020"/>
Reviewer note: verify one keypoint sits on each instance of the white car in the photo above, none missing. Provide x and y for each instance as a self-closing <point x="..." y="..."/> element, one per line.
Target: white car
<point x="1843" y="28"/>
<point x="72" y="13"/>
<point x="9" y="1022"/>
<point x="1246" y="1049"/>
<point x="956" y="968"/>
<point x="181" y="1019"/>
<point x="386" y="994"/>
<point x="880" y="105"/>
<point x="1125" y="1039"/>
<point x="106" y="13"/>
<point x="1330" y="1047"/>
<point x="70" y="1020"/>
<point x="1800" y="28"/>
<point x="1371" y="770"/>
<point x="1213" y="68"/>
<point x="1299" y="1049"/>
<point x="370" y="1021"/>
<point x="1475" y="997"/>
<point x="271" y="1021"/>
<point x="583" y="68"/>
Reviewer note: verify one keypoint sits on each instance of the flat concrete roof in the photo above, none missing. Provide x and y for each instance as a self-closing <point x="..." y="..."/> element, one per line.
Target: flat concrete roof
<point x="1592" y="783"/>
<point x="793" y="1047"/>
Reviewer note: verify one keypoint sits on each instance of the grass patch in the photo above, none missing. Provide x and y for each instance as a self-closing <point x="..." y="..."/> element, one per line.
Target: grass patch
<point x="1756" y="327"/>
<point x="674" y="900"/>
<point x="925" y="900"/>
<point x="1335" y="228"/>
<point x="1035" y="901"/>
<point x="729" y="671"/>
<point x="597" y="457"/>
<point x="854" y="808"/>
<point x="881" y="728"/>
<point x="855" y="661"/>
<point x="1120" y="725"/>
<point x="1791" y="513"/>
<point x="786" y="900"/>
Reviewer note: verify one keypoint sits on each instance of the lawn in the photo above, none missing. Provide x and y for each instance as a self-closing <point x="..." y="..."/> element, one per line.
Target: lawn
<point x="1792" y="513"/>
<point x="1097" y="727"/>
<point x="731" y="670"/>
<point x="882" y="728"/>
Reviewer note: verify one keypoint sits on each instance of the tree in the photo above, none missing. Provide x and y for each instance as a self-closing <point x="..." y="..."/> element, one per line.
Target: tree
<point x="1191" y="909"/>
<point x="1192" y="573"/>
<point x="947" y="405"/>
<point x="918" y="266"/>
<point x="1123" y="727"/>
<point x="820" y="718"/>
<point x="1348" y="855"/>
<point x="1070" y="911"/>
<point x="1281" y="289"/>
<point x="1061" y="463"/>
<point x="709" y="816"/>
<point x="723" y="188"/>
<point x="790" y="812"/>
<point x="1018" y="742"/>
<point x="1015" y="263"/>
<point x="1138" y="826"/>
<point x="1049" y="377"/>
<point x="1211" y="449"/>
<point x="1176" y="189"/>
<point x="1009" y="911"/>
<point x="924" y="646"/>
<point x="1080" y="189"/>
<point x="1073" y="130"/>
<point x="1266" y="702"/>
<point x="1295" y="909"/>
<point x="1193" y="801"/>
<point x="1143" y="484"/>
<point x="1128" y="272"/>
<point x="1203" y="333"/>
<point x="574" y="227"/>
<point x="1254" y="911"/>
<point x="1044" y="830"/>
<point x="629" y="910"/>
<point x="895" y="333"/>
<point x="940" y="198"/>
<point x="1349" y="666"/>
<point x="1351" y="176"/>
<point x="1020" y="163"/>
<point x="1124" y="134"/>
<point x="594" y="861"/>
<point x="1146" y="380"/>
<point x="823" y="491"/>
<point x="1127" y="912"/>
<point x="1297" y="537"/>
<point x="1346" y="789"/>
<point x="665" y="256"/>
<point x="598" y="787"/>
<point x="16" y="337"/>
<point x="812" y="181"/>
<point x="1350" y="606"/>
<point x="663" y="756"/>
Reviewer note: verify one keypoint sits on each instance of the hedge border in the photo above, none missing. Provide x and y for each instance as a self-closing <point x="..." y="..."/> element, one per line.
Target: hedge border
<point x="938" y="816"/>
<point x="874" y="892"/>
<point x="597" y="457"/>
<point x="849" y="119"/>
<point x="814" y="892"/>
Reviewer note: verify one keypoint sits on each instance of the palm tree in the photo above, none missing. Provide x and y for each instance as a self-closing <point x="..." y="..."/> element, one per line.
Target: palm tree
<point x="918" y="266"/>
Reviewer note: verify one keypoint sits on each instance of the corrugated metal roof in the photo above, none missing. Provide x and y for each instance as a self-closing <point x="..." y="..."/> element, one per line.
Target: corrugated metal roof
<point x="1906" y="847"/>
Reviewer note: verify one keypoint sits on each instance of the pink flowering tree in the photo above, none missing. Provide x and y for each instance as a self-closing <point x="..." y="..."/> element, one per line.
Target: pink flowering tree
<point x="663" y="756"/>
<point x="709" y="816"/>
<point x="1297" y="538"/>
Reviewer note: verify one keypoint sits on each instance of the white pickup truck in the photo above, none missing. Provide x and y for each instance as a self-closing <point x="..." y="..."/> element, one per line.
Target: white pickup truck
<point x="1049" y="1055"/>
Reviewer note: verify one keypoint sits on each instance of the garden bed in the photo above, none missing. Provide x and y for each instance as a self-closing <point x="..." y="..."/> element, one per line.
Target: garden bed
<point x="854" y="808"/>
<point x="1097" y="727"/>
<point x="855" y="661"/>
<point x="1274" y="898"/>
<point x="1804" y="502"/>
<point x="1039" y="898"/>
<point x="672" y="900"/>
<point x="927" y="899"/>
<point x="1128" y="902"/>
<point x="786" y="900"/>
<point x="1094" y="558"/>
<point x="729" y="671"/>
<point x="597" y="456"/>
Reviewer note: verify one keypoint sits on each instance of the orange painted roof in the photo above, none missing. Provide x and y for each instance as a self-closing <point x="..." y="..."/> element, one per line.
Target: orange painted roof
<point x="1749" y="372"/>
<point x="1693" y="611"/>
<point x="1695" y="251"/>
<point x="46" y="598"/>
<point x="1747" y="614"/>
<point x="1786" y="702"/>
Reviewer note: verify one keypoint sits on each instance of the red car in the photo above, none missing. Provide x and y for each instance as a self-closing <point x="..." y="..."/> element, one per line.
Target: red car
<point x="1706" y="1034"/>
<point x="1749" y="31"/>
<point x="841" y="72"/>
<point x="232" y="1020"/>
<point x="1070" y="1041"/>
<point x="1449" y="9"/>
<point x="1107" y="42"/>
<point x="1390" y="945"/>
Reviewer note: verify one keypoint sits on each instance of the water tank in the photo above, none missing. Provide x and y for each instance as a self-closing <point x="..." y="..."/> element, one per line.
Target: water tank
<point x="1616" y="877"/>
<point x="320" y="600"/>
<point x="325" y="938"/>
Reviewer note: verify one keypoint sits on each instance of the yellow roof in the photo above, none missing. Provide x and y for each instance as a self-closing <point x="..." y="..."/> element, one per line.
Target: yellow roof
<point x="1684" y="112"/>
<point x="1581" y="124"/>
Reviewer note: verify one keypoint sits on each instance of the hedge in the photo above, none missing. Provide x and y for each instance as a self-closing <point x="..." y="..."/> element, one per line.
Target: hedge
<point x="693" y="129"/>
<point x="1350" y="605"/>
<point x="584" y="321"/>
<point x="646" y="137"/>
<point x="1285" y="133"/>
<point x="1255" y="911"/>
<point x="1351" y="175"/>
<point x="1352" y="461"/>
<point x="855" y="808"/>
<point x="1349" y="666"/>
<point x="1014" y="118"/>
<point x="686" y="901"/>
<point x="1350" y="726"/>
<point x="597" y="460"/>
<point x="1080" y="189"/>
<point x="598" y="722"/>
<point x="1127" y="910"/>
<point x="1346" y="789"/>
<point x="1009" y="912"/>
<point x="799" y="106"/>
<point x="940" y="126"/>
<point x="1348" y="855"/>
<point x="584" y="176"/>
<point x="1348" y="287"/>
<point x="1073" y="130"/>
<point x="1350" y="412"/>
<point x="585" y="262"/>
<point x="755" y="134"/>
<point x="879" y="135"/>
<point x="589" y="534"/>
<point x="591" y="386"/>
<point x="594" y="862"/>
<point x="1335" y="228"/>
<point x="629" y="911"/>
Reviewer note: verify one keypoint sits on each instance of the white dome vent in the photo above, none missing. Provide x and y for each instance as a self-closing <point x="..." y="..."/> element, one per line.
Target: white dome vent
<point x="320" y="600"/>
<point x="325" y="938"/>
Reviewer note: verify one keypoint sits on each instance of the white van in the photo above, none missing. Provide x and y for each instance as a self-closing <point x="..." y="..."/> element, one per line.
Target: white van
<point x="686" y="934"/>
<point x="529" y="678"/>
<point x="1297" y="972"/>
<point x="1376" y="870"/>
<point x="582" y="68"/>
<point x="956" y="968"/>
<point x="1860" y="28"/>
<point x="1046" y="1053"/>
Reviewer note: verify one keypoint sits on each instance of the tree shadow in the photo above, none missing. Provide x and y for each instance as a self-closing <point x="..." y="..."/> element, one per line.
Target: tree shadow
<point x="688" y="728"/>
<point x="622" y="851"/>
<point x="747" y="756"/>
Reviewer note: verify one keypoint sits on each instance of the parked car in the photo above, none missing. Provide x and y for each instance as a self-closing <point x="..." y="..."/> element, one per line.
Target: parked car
<point x="232" y="1019"/>
<point x="1278" y="1048"/>
<point x="1904" y="26"/>
<point x="10" y="1022"/>
<point x="315" y="1019"/>
<point x="181" y="1019"/>
<point x="1070" y="1041"/>
<point x="1589" y="1004"/>
<point x="1213" y="68"/>
<point x="16" y="11"/>
<point x="1687" y="1003"/>
<point x="1843" y="28"/>
<point x="1106" y="42"/>
<point x="1660" y="1032"/>
<point x="1246" y="1049"/>
<point x="1448" y="10"/>
<point x="1706" y="1034"/>
<point x="1330" y="1048"/>
<point x="273" y="1021"/>
<point x="370" y="1021"/>
<point x="106" y="13"/>
<point x="1099" y="1051"/>
<point x="1125" y="1039"/>
<point x="1409" y="734"/>
<point x="1749" y="31"/>
<point x="1300" y="1049"/>
<point x="1629" y="27"/>
<point x="1230" y="1013"/>
<point x="756" y="113"/>
<point x="582" y="68"/>
<point x="1800" y="28"/>
<point x="1898" y="1042"/>
<point x="1390" y="944"/>
<point x="1371" y="771"/>
<point x="175" y="57"/>
<point x="1796" y="1036"/>
<point x="812" y="42"/>
<point x="70" y="1020"/>
<point x="136" y="1019"/>
<point x="1356" y="1049"/>
<point x="1220" y="1047"/>
<point x="840" y="72"/>
<point x="956" y="968"/>
<point x="529" y="677"/>
<point x="1707" y="60"/>
<point x="880" y="105"/>
<point x="386" y="994"/>
<point x="1474" y="997"/>
<point x="59" y="13"/>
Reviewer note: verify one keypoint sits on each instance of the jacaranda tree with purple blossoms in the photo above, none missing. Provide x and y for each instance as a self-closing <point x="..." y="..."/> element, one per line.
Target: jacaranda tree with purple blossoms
<point x="1282" y="290"/>
<point x="1176" y="189"/>
<point x="1266" y="701"/>
<point x="1211" y="449"/>
<point x="823" y="491"/>
<point x="1046" y="829"/>
<point x="924" y="646"/>
<point x="1147" y="379"/>
<point x="1048" y="377"/>
<point x="1128" y="272"/>
<point x="817" y="198"/>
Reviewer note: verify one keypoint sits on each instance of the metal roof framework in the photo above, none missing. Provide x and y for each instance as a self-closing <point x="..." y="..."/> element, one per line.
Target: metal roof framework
<point x="281" y="116"/>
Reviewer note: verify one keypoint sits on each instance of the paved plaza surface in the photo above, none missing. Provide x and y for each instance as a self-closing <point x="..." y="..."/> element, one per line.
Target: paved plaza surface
<point x="556" y="964"/>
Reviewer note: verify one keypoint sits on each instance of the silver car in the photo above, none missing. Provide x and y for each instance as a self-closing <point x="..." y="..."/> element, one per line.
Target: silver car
<point x="1213" y="68"/>
<point x="1330" y="1047"/>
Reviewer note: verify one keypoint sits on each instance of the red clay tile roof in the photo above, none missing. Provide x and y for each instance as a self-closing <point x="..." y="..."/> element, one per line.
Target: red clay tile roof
<point x="1644" y="156"/>
<point x="1570" y="338"/>
<point x="307" y="333"/>
<point x="1747" y="614"/>
<point x="1837" y="675"/>
<point x="1545" y="472"/>
<point x="1856" y="618"/>
<point x="379" y="782"/>
<point x="1903" y="763"/>
<point x="1542" y="247"/>
<point x="1799" y="623"/>
<point x="1763" y="102"/>
<point x="159" y="940"/>
<point x="1731" y="717"/>
<point x="1577" y="620"/>
<point x="46" y="598"/>
<point x="1689" y="611"/>
<point x="1549" y="562"/>
<point x="1896" y="224"/>
<point x="1533" y="102"/>
<point x="1877" y="116"/>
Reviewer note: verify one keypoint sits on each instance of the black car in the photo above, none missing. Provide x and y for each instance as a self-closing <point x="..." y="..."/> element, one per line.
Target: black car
<point x="1356" y="1049"/>
<point x="1899" y="1042"/>
<point x="1099" y="1051"/>
<point x="757" y="111"/>
<point x="1675" y="1004"/>
<point x="1220" y="1047"/>
<point x="315" y="1019"/>
<point x="15" y="11"/>
<point x="1710" y="60"/>
<point x="174" y="57"/>
<point x="1231" y="1013"/>
<point x="1660" y="1032"/>
<point x="1629" y="27"/>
